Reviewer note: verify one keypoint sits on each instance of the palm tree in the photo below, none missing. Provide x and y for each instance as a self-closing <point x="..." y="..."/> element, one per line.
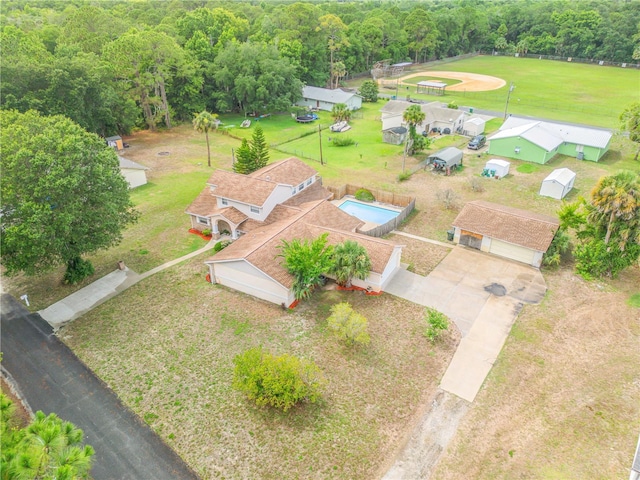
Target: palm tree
<point x="351" y="260"/>
<point x="412" y="116"/>
<point x="340" y="112"/>
<point x="617" y="197"/>
<point x="203" y="122"/>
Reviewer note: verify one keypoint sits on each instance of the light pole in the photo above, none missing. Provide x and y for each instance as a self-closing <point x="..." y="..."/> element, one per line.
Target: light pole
<point x="512" y="87"/>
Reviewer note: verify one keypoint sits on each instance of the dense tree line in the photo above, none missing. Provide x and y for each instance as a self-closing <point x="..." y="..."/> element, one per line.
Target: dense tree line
<point x="113" y="65"/>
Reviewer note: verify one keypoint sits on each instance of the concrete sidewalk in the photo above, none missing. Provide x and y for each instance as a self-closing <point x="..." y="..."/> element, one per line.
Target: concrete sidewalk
<point x="98" y="292"/>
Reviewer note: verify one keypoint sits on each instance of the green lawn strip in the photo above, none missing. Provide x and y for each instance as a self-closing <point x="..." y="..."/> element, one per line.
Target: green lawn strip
<point x="634" y="300"/>
<point x="171" y="363"/>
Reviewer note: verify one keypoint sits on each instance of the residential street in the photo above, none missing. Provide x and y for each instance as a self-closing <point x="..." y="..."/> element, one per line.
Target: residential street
<point x="52" y="379"/>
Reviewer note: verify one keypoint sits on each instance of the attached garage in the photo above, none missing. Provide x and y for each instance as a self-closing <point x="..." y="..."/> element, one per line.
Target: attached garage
<point x="511" y="233"/>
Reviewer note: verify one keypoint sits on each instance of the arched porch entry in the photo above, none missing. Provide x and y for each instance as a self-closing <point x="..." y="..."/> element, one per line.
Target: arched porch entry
<point x="220" y="226"/>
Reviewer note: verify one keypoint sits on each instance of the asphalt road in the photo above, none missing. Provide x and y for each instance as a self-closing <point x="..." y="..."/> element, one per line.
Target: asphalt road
<point x="52" y="379"/>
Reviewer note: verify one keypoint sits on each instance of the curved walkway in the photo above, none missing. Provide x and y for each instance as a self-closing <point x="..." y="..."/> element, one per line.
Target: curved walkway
<point x="89" y="297"/>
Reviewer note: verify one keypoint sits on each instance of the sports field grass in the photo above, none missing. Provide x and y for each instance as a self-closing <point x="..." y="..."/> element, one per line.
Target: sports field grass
<point x="554" y="90"/>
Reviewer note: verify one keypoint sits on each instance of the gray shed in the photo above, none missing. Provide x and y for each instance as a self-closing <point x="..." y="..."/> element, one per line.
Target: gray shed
<point x="395" y="135"/>
<point x="447" y="157"/>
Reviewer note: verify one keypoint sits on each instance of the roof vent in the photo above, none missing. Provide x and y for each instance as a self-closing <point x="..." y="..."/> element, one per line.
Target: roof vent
<point x="268" y="177"/>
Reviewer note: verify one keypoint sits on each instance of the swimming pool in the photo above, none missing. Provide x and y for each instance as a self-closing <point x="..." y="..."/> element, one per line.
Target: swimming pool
<point x="368" y="213"/>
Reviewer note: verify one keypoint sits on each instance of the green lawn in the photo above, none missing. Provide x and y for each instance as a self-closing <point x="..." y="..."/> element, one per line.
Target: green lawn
<point x="554" y="90"/>
<point x="166" y="347"/>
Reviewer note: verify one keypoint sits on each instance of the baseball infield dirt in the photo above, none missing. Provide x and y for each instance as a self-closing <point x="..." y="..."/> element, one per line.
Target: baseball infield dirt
<point x="470" y="82"/>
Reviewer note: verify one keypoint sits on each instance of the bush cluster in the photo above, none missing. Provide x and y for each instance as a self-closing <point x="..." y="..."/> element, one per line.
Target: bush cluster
<point x="364" y="195"/>
<point x="277" y="381"/>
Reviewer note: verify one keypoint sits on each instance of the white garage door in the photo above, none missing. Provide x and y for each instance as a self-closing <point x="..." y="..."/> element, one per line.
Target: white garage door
<point x="514" y="252"/>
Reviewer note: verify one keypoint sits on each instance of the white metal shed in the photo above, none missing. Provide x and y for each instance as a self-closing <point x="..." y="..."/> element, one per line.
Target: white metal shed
<point x="474" y="126"/>
<point x="558" y="183"/>
<point x="499" y="167"/>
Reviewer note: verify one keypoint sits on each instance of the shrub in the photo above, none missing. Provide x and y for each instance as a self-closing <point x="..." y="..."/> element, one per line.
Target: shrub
<point x="206" y="232"/>
<point x="437" y="322"/>
<point x="559" y="245"/>
<point x="348" y="325"/>
<point x="476" y="184"/>
<point x="277" y="381"/>
<point x="364" y="195"/>
<point x="406" y="175"/>
<point x="220" y="245"/>
<point x="452" y="105"/>
<point x="77" y="270"/>
<point x="343" y="141"/>
<point x="448" y="197"/>
<point x="597" y="259"/>
<point x="369" y="91"/>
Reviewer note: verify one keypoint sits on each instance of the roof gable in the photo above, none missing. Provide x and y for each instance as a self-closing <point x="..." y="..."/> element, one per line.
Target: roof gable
<point x="325" y="95"/>
<point x="126" y="163"/>
<point x="290" y="171"/>
<point x="561" y="132"/>
<point x="563" y="176"/>
<point x="520" y="227"/>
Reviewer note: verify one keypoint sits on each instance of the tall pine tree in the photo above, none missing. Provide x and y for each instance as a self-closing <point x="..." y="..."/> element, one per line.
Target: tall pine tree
<point x="259" y="148"/>
<point x="252" y="155"/>
<point x="244" y="159"/>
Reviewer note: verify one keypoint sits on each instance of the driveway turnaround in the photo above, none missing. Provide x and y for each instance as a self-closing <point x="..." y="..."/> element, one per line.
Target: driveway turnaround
<point x="52" y="379"/>
<point x="483" y="295"/>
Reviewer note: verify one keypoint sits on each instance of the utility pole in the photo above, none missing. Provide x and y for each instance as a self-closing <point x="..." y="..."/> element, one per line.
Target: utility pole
<point x="511" y="89"/>
<point x="320" y="137"/>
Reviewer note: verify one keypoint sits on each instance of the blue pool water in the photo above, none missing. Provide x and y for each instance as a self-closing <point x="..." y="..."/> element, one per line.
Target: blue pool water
<point x="368" y="213"/>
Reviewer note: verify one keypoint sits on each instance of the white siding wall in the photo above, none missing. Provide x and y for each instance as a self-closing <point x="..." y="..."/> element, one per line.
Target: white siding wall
<point x="279" y="195"/>
<point x="553" y="189"/>
<point x="241" y="275"/>
<point x="135" y="178"/>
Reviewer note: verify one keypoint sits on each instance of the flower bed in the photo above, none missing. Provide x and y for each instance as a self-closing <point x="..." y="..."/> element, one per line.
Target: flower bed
<point x="353" y="288"/>
<point x="199" y="233"/>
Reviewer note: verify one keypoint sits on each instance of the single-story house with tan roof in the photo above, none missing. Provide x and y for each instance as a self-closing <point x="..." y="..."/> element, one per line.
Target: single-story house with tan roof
<point x="505" y="231"/>
<point x="286" y="207"/>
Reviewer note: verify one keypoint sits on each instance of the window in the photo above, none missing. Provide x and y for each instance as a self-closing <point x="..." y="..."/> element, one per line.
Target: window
<point x="300" y="187"/>
<point x="255" y="210"/>
<point x="309" y="182"/>
<point x="224" y="201"/>
<point x="203" y="220"/>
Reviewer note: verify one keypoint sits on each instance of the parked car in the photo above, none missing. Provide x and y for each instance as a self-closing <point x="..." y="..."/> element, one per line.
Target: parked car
<point x="477" y="142"/>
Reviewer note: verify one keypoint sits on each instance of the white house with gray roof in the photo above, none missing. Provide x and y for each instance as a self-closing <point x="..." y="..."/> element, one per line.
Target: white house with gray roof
<point x="539" y="141"/>
<point x="325" y="99"/>
<point x="435" y="116"/>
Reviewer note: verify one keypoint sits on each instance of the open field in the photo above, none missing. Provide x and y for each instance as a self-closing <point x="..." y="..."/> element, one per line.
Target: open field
<point x="562" y="397"/>
<point x="166" y="347"/>
<point x="564" y="91"/>
<point x="562" y="400"/>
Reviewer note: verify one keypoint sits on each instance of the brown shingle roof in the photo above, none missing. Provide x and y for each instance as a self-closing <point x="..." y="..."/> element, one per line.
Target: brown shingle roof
<point x="260" y="246"/>
<point x="242" y="188"/>
<point x="290" y="171"/>
<point x="520" y="227"/>
<point x="203" y="205"/>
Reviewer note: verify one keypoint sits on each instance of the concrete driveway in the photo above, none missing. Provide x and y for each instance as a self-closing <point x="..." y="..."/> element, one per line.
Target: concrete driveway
<point x="483" y="295"/>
